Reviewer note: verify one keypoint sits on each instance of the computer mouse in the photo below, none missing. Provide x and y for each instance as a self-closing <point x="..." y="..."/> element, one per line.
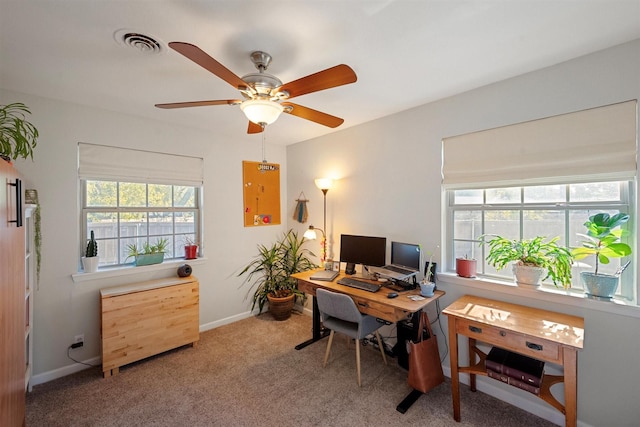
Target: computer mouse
<point x="392" y="294"/>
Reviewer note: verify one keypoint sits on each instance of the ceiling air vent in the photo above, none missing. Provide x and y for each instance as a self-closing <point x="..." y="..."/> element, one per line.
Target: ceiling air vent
<point x="143" y="43"/>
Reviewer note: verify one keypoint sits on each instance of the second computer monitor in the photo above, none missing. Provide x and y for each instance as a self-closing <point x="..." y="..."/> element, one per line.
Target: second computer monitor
<point x="365" y="250"/>
<point x="406" y="255"/>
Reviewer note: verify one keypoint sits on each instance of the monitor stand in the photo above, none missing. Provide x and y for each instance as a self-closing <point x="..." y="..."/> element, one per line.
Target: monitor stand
<point x="350" y="268"/>
<point x="365" y="274"/>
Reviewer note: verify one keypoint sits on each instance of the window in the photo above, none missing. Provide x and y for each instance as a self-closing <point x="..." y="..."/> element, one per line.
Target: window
<point x="133" y="197"/>
<point x="525" y="212"/>
<point x="130" y="213"/>
<point x="541" y="177"/>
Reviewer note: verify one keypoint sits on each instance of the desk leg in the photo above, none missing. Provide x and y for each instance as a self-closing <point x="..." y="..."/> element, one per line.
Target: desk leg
<point x="455" y="376"/>
<point x="408" y="401"/>
<point x="318" y="333"/>
<point x="413" y="395"/>
<point x="570" y="358"/>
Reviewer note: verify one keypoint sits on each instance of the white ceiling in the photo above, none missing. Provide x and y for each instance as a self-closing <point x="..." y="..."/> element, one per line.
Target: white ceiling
<point x="405" y="52"/>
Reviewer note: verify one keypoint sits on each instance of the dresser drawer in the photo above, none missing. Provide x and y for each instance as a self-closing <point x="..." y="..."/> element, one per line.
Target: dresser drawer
<point x="529" y="346"/>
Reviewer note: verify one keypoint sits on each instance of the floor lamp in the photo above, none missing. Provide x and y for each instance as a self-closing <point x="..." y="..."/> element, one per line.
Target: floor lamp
<point x="324" y="184"/>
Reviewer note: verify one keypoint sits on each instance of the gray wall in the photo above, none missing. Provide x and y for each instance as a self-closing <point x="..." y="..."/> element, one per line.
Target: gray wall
<point x="389" y="185"/>
<point x="64" y="308"/>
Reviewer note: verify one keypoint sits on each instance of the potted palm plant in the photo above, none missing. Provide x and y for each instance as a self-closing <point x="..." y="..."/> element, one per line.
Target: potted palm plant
<point x="270" y="274"/>
<point x="533" y="260"/>
<point x="18" y="137"/>
<point x="603" y="241"/>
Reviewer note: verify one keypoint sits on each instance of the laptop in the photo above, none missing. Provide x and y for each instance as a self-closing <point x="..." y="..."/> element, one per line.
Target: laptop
<point x="405" y="262"/>
<point x="324" y="275"/>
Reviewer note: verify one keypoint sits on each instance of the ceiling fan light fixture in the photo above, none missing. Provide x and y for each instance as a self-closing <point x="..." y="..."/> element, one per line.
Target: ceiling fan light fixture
<point x="261" y="111"/>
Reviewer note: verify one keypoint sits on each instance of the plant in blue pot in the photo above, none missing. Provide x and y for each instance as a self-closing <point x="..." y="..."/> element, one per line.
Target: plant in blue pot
<point x="602" y="240"/>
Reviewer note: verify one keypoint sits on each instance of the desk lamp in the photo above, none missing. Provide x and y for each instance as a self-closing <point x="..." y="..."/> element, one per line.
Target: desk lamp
<point x="311" y="235"/>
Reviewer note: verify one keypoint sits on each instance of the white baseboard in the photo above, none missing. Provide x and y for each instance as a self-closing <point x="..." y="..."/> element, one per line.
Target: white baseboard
<point x="64" y="371"/>
<point x="226" y="321"/>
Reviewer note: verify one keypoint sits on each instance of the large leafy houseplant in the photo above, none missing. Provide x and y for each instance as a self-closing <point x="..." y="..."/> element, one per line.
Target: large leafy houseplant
<point x="603" y="241"/>
<point x="270" y="270"/>
<point x="18" y="137"/>
<point x="555" y="260"/>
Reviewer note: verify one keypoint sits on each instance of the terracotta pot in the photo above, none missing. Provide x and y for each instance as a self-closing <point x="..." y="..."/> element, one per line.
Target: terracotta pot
<point x="191" y="251"/>
<point x="280" y="308"/>
<point x="466" y="267"/>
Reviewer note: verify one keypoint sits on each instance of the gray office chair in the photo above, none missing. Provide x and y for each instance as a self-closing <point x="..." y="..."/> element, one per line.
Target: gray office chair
<point x="340" y="314"/>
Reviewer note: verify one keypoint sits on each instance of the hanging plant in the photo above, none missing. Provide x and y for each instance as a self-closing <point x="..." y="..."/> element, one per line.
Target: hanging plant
<point x="18" y="137"/>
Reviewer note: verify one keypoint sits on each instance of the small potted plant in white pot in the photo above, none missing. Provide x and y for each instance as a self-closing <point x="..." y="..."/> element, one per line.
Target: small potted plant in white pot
<point x="533" y="260"/>
<point x="90" y="259"/>
<point x="603" y="241"/>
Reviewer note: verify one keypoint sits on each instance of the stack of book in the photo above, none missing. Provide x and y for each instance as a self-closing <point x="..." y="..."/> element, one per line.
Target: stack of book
<point x="515" y="369"/>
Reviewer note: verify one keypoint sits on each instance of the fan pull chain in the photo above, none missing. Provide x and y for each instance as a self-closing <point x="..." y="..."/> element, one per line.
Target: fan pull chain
<point x="264" y="153"/>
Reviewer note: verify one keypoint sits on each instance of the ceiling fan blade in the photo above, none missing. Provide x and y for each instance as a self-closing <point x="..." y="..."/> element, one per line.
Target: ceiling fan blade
<point x="199" y="103"/>
<point x="254" y="128"/>
<point x="331" y="77"/>
<point x="201" y="58"/>
<point x="313" y="115"/>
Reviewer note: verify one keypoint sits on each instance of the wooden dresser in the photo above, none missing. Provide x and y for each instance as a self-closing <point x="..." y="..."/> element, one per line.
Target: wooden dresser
<point x="541" y="334"/>
<point x="147" y="318"/>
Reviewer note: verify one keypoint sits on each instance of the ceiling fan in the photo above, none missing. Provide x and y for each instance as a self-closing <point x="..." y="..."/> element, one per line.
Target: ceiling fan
<point x="265" y="97"/>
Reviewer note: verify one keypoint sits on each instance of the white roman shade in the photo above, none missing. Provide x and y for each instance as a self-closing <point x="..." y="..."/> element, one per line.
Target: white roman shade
<point x="595" y="144"/>
<point x="124" y="164"/>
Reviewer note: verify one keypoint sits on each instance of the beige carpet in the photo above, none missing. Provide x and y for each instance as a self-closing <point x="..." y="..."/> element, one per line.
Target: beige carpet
<point x="249" y="374"/>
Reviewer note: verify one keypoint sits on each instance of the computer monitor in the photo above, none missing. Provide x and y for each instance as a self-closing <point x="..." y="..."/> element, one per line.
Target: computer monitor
<point x="406" y="255"/>
<point x="365" y="250"/>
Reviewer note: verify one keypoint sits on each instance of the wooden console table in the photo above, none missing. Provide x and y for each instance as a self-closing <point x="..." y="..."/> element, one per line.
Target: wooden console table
<point x="544" y="335"/>
<point x="147" y="318"/>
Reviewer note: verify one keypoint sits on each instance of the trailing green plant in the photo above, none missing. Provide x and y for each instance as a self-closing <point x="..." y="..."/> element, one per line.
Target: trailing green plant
<point x="603" y="239"/>
<point x="556" y="259"/>
<point x="270" y="270"/>
<point x="18" y="137"/>
<point x="37" y="239"/>
<point x="92" y="247"/>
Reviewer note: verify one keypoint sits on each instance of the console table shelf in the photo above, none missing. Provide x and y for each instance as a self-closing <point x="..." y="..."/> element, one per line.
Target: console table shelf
<point x="544" y="335"/>
<point x="147" y="318"/>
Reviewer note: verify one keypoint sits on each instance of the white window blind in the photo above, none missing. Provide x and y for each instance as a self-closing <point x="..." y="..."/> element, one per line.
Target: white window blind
<point x="596" y="144"/>
<point x="124" y="164"/>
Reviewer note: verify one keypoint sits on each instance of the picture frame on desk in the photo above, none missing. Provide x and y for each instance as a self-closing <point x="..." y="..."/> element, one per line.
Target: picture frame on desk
<point x="336" y="266"/>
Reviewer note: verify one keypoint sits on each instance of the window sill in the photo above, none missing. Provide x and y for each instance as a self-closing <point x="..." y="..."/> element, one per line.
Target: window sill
<point x="560" y="296"/>
<point x="108" y="272"/>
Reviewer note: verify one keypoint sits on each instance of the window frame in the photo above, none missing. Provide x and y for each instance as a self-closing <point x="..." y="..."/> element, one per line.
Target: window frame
<point x="86" y="210"/>
<point x="627" y="290"/>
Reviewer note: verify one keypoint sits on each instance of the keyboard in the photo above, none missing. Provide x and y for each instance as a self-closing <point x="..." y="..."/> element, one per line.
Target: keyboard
<point x="358" y="284"/>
